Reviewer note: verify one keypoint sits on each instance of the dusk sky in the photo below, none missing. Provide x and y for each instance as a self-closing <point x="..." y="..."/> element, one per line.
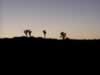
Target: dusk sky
<point x="79" y="18"/>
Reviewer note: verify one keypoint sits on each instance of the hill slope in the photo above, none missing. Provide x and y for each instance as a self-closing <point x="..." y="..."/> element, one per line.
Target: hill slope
<point x="40" y="43"/>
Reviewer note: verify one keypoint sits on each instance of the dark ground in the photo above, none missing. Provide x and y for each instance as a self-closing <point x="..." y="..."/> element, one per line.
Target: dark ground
<point x="42" y="48"/>
<point x="48" y="44"/>
<point x="39" y="52"/>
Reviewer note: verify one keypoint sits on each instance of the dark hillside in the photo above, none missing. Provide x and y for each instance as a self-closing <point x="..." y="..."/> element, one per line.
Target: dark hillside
<point x="53" y="44"/>
<point x="39" y="49"/>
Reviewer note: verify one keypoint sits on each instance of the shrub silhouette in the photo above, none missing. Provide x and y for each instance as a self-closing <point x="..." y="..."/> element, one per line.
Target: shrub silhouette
<point x="63" y="35"/>
<point x="27" y="33"/>
<point x="44" y="33"/>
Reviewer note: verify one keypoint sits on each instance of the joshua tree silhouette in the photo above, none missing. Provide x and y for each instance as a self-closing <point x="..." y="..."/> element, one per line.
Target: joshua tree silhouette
<point x="27" y="33"/>
<point x="44" y="33"/>
<point x="63" y="35"/>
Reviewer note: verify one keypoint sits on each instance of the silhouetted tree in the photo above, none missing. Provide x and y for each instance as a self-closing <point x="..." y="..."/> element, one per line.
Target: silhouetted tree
<point x="27" y="33"/>
<point x="63" y="35"/>
<point x="44" y="33"/>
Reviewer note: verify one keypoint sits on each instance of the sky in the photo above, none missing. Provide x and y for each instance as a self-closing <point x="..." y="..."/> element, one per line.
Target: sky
<point x="78" y="18"/>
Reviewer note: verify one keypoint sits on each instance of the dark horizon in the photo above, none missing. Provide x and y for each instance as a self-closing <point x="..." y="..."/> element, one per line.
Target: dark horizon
<point x="47" y="44"/>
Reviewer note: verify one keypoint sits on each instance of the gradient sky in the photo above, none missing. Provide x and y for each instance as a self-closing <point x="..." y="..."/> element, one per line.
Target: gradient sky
<point x="79" y="18"/>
